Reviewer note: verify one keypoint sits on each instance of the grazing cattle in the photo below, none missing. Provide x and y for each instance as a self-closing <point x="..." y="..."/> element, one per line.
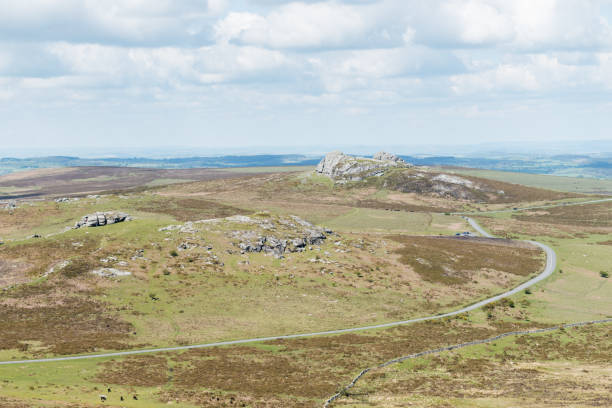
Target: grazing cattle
<point x="121" y="398"/>
<point x="135" y="397"/>
<point x="102" y="398"/>
<point x="109" y="390"/>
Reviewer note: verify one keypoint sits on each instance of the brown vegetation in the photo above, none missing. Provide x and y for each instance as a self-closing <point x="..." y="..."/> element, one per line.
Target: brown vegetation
<point x="90" y="179"/>
<point x="454" y="260"/>
<point x="399" y="206"/>
<point x="75" y="324"/>
<point x="296" y="373"/>
<point x="137" y="371"/>
<point x="524" y="371"/>
<point x="41" y="254"/>
<point x="589" y="215"/>
<point x="488" y="191"/>
<point x="189" y="209"/>
<point x="514" y="193"/>
<point x="11" y="273"/>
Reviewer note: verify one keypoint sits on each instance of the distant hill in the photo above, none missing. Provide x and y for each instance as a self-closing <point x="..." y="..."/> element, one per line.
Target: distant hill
<point x="9" y="164"/>
<point x="599" y="166"/>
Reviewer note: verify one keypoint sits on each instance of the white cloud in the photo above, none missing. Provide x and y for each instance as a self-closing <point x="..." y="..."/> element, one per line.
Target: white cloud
<point x="110" y="21"/>
<point x="313" y="55"/>
<point x="517" y="24"/>
<point x="168" y="65"/>
<point x="533" y="73"/>
<point x="302" y="25"/>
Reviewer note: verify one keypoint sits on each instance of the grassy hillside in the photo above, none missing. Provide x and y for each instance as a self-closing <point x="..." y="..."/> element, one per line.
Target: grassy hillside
<point x="387" y="255"/>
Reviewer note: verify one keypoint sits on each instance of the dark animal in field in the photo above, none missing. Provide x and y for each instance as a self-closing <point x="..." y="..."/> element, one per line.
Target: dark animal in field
<point x="102" y="398"/>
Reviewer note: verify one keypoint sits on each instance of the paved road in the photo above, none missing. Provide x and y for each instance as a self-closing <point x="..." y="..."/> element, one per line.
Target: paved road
<point x="551" y="262"/>
<point x="478" y="228"/>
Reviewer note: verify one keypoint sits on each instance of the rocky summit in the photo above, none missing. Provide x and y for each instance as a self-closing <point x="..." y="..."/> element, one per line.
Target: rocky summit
<point x="342" y="167"/>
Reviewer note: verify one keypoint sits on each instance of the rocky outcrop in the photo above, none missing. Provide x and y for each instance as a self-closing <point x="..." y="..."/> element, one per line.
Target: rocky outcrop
<point x="250" y="241"/>
<point x="388" y="157"/>
<point x="342" y="167"/>
<point x="295" y="235"/>
<point x="101" y="219"/>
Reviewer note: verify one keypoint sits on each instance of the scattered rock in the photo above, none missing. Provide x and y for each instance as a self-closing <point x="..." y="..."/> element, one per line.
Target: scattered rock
<point x="101" y="219"/>
<point x="187" y="228"/>
<point x="110" y="259"/>
<point x="110" y="272"/>
<point x="65" y="199"/>
<point x="240" y="218"/>
<point x="139" y="255"/>
<point x="56" y="267"/>
<point x="184" y="246"/>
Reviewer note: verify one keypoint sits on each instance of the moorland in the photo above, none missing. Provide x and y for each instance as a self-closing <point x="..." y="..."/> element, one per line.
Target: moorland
<point x="216" y="255"/>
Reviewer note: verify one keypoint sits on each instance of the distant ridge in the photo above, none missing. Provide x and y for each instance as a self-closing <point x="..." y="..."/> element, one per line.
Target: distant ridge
<point x="579" y="165"/>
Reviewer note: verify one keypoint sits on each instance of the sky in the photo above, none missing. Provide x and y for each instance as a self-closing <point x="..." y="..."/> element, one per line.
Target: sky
<point x="271" y="74"/>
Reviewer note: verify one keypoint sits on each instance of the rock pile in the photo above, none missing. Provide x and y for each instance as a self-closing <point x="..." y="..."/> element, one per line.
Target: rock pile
<point x="340" y="166"/>
<point x="297" y="239"/>
<point x="102" y="218"/>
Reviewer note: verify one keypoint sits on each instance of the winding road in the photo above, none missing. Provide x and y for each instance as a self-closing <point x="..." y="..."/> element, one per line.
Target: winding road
<point x="551" y="262"/>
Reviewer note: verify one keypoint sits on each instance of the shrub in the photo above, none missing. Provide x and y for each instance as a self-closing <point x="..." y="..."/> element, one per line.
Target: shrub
<point x="173" y="253"/>
<point x="604" y="274"/>
<point x="528" y="291"/>
<point x="76" y="267"/>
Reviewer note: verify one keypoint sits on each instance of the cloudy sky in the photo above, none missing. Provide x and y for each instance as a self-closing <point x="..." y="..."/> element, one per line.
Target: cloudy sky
<point x="215" y="73"/>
